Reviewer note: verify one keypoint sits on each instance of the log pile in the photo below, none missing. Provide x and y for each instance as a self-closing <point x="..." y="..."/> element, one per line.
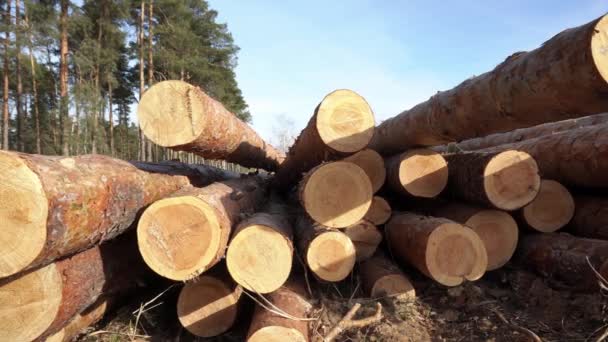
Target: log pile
<point x="443" y="192"/>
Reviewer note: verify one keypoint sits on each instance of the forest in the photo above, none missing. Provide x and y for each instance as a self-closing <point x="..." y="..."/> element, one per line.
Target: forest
<point x="73" y="71"/>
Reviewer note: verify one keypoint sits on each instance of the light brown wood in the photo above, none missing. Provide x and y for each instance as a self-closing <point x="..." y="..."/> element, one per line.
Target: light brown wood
<point x="505" y="180"/>
<point x="418" y="173"/>
<point x="373" y="164"/>
<point x="561" y="79"/>
<point x="551" y="210"/>
<point x="184" y="235"/>
<point x="379" y="212"/>
<point x="381" y="278"/>
<point x="79" y="324"/>
<point x="181" y="116"/>
<point x="336" y="194"/>
<point x="443" y="250"/>
<point x="342" y="124"/>
<point x="590" y="217"/>
<point x="366" y="237"/>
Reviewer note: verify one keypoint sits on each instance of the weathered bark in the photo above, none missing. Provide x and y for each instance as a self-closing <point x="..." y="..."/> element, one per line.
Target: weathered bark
<point x="342" y="124"/>
<point x="178" y="115"/>
<point x="417" y="173"/>
<point x="79" y="324"/>
<point x="442" y="249"/>
<point x="56" y="206"/>
<point x="379" y="212"/>
<point x="291" y="299"/>
<point x="40" y="302"/>
<point x="590" y="217"/>
<point x="524" y="133"/>
<point x="566" y="77"/>
<point x="187" y="233"/>
<point x="373" y="164"/>
<point x="505" y="180"/>
<point x="366" y="237"/>
<point x="563" y="258"/>
<point x="380" y="278"/>
<point x="577" y="157"/>
<point x="551" y="210"/>
<point x="5" y="115"/>
<point x="63" y="76"/>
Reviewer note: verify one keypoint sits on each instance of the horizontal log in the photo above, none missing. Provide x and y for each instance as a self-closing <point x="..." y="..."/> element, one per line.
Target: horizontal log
<point x="551" y="210"/>
<point x="379" y="212"/>
<point x="373" y="164"/>
<point x="590" y="217"/>
<point x="381" y="278"/>
<point x="417" y="173"/>
<point x="81" y="322"/>
<point x="366" y="237"/>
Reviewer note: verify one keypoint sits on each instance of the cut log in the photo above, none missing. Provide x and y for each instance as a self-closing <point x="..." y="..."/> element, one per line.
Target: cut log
<point x="505" y="180"/>
<point x="443" y="250"/>
<point x="267" y="326"/>
<point x="182" y="236"/>
<point x="577" y="157"/>
<point x="40" y="302"/>
<point x="551" y="210"/>
<point x="260" y="254"/>
<point x="342" y="124"/>
<point x="182" y="117"/>
<point x="563" y="258"/>
<point x="336" y="194"/>
<point x="51" y="207"/>
<point x="565" y="77"/>
<point x="590" y="217"/>
<point x="208" y="306"/>
<point x="381" y="278"/>
<point x="497" y="229"/>
<point x="366" y="237"/>
<point x="329" y="253"/>
<point x="522" y="134"/>
<point x="379" y="212"/>
<point x="79" y="324"/>
<point x="373" y="164"/>
<point x="418" y="173"/>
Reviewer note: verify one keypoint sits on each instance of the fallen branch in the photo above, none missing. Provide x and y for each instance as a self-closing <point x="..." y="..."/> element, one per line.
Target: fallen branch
<point x="521" y="329"/>
<point x="347" y="322"/>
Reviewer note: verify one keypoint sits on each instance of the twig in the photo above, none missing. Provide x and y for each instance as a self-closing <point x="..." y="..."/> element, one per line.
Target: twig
<point x="347" y="322"/>
<point x="603" y="283"/>
<point x="603" y="336"/>
<point x="269" y="306"/>
<point x="526" y="331"/>
<point x="107" y="332"/>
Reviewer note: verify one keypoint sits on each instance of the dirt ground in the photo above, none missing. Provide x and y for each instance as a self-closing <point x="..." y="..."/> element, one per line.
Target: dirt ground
<point x="505" y="305"/>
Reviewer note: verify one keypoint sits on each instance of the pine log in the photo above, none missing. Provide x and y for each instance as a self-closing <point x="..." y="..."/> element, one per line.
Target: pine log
<point x="577" y="157"/>
<point x="79" y="324"/>
<point x="336" y="194"/>
<point x="565" y="77"/>
<point x="590" y="217"/>
<point x="497" y="229"/>
<point x="329" y="253"/>
<point x="366" y="237"/>
<point x="208" y="306"/>
<point x="551" y="210"/>
<point x="443" y="250"/>
<point x="183" y="235"/>
<point x="417" y="173"/>
<point x="51" y="207"/>
<point x="260" y="254"/>
<point x="505" y="180"/>
<point x="379" y="212"/>
<point x="373" y="164"/>
<point x="381" y="278"/>
<point x="267" y="326"/>
<point x="38" y="303"/>
<point x="342" y="124"/>
<point x="563" y="258"/>
<point x="522" y="134"/>
<point x="182" y="117"/>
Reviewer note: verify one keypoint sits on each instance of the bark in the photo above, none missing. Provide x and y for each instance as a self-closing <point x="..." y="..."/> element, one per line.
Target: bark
<point x="81" y="322"/>
<point x="63" y="76"/>
<point x="380" y="278"/>
<point x="565" y="77"/>
<point x="590" y="217"/>
<point x="18" y="104"/>
<point x="5" y="114"/>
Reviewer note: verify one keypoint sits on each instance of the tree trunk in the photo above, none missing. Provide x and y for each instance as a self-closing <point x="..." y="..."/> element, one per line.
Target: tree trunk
<point x="590" y="217"/>
<point x="443" y="250"/>
<point x="506" y="180"/>
<point x="551" y="210"/>
<point x="336" y="194"/>
<point x="563" y="259"/>
<point x="58" y="292"/>
<point x="565" y="77"/>
<point x="34" y="85"/>
<point x="63" y="77"/>
<point x="177" y="115"/>
<point x="417" y="173"/>
<point x="65" y="205"/>
<point x="291" y="299"/>
<point x="150" y="44"/>
<point x="379" y="212"/>
<point x="373" y="164"/>
<point x="170" y="231"/>
<point x="381" y="278"/>
<point x="366" y="237"/>
<point x="18" y="104"/>
<point x="5" y="114"/>
<point x="342" y="124"/>
<point x="111" y="118"/>
<point x="522" y="134"/>
<point x="329" y="253"/>
<point x="81" y="322"/>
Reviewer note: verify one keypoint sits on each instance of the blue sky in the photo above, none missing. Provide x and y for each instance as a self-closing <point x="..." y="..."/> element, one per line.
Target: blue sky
<point x="394" y="53"/>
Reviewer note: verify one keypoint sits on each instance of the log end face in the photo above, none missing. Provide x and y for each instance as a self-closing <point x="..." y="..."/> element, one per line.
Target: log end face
<point x="29" y="304"/>
<point x="379" y="212"/>
<point x="552" y="208"/>
<point x="259" y="258"/>
<point x="511" y="180"/>
<point x="373" y="164"/>
<point x="331" y="256"/>
<point x="345" y="121"/>
<point x="393" y="285"/>
<point x="423" y="173"/>
<point x="499" y="233"/>
<point x="170" y="113"/>
<point x="275" y="333"/>
<point x="23" y="214"/>
<point x="599" y="47"/>
<point x="366" y="237"/>
<point x="179" y="237"/>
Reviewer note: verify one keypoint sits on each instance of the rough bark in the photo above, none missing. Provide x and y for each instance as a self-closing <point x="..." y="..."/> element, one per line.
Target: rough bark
<point x="5" y="114"/>
<point x="565" y="77"/>
<point x="380" y="278"/>
<point x="417" y="173"/>
<point x="590" y="217"/>
<point x="178" y="115"/>
<point x="81" y="322"/>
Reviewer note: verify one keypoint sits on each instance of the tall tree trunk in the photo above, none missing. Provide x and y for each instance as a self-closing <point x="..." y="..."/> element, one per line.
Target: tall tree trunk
<point x="34" y="85"/>
<point x="20" y="118"/>
<point x="97" y="81"/>
<point x="151" y="72"/>
<point x="140" y="41"/>
<point x="5" y="115"/>
<point x="111" y="117"/>
<point x="63" y="77"/>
